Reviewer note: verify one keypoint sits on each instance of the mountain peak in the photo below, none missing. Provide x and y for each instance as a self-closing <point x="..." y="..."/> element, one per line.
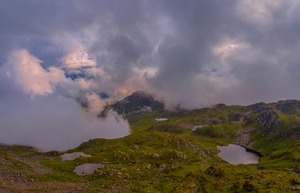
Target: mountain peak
<point x="139" y="101"/>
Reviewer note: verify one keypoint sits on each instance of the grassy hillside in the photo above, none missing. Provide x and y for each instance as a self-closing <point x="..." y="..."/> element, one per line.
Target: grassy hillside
<point x="177" y="155"/>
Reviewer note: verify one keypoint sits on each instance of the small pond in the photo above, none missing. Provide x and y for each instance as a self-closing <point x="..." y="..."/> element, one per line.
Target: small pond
<point x="161" y="119"/>
<point x="87" y="169"/>
<point x="72" y="156"/>
<point x="235" y="154"/>
<point x="195" y="127"/>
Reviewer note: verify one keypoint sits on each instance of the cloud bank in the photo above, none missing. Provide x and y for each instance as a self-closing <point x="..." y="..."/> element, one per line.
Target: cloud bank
<point x="192" y="53"/>
<point x="54" y="123"/>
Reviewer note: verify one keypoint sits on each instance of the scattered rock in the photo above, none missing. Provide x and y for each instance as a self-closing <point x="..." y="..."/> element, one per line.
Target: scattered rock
<point x="148" y="166"/>
<point x="215" y="170"/>
<point x="121" y="156"/>
<point x="293" y="188"/>
<point x="155" y="156"/>
<point x="247" y="186"/>
<point x="294" y="181"/>
<point x="180" y="155"/>
<point x="296" y="169"/>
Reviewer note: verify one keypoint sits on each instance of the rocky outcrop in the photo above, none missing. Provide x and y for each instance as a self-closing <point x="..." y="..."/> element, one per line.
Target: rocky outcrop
<point x="268" y="122"/>
<point x="259" y="107"/>
<point x="287" y="105"/>
<point x="243" y="137"/>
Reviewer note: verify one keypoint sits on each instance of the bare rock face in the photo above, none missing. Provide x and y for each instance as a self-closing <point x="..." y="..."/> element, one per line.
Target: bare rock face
<point x="269" y="119"/>
<point x="269" y="122"/>
<point x="287" y="105"/>
<point x="259" y="107"/>
<point x="243" y="137"/>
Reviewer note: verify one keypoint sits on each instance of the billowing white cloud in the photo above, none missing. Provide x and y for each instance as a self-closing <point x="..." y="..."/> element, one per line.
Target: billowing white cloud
<point x="52" y="121"/>
<point x="77" y="59"/>
<point x="86" y="84"/>
<point x="26" y="70"/>
<point x="96" y="104"/>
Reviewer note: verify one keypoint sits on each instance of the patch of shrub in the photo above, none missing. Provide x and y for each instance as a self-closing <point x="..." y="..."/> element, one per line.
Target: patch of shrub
<point x="169" y="128"/>
<point x="208" y="131"/>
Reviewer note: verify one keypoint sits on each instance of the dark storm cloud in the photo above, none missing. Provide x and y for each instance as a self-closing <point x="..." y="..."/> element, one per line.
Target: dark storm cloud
<point x="30" y="23"/>
<point x="125" y="53"/>
<point x="176" y="37"/>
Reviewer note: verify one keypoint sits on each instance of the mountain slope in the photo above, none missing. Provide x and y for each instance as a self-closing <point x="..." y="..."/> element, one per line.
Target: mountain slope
<point x="176" y="155"/>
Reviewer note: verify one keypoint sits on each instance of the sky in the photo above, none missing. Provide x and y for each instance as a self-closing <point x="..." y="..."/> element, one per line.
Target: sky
<point x="192" y="53"/>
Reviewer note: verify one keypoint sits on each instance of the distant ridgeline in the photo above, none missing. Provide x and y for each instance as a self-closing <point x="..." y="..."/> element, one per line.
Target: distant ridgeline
<point x="262" y="123"/>
<point x="274" y="121"/>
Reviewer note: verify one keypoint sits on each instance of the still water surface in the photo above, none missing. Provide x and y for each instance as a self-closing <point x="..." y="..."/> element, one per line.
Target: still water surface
<point x="87" y="169"/>
<point x="72" y="156"/>
<point x="236" y="154"/>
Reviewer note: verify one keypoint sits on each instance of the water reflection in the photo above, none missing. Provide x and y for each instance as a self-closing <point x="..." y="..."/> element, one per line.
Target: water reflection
<point x="236" y="154"/>
<point x="72" y="156"/>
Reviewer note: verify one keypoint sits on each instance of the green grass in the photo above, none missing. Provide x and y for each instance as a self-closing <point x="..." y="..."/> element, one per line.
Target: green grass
<point x="167" y="157"/>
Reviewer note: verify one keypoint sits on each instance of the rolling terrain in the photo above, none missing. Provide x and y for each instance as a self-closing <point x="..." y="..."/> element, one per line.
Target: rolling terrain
<point x="175" y="155"/>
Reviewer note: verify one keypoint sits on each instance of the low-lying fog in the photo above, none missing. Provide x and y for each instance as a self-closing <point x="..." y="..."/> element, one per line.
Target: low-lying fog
<point x="54" y="123"/>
